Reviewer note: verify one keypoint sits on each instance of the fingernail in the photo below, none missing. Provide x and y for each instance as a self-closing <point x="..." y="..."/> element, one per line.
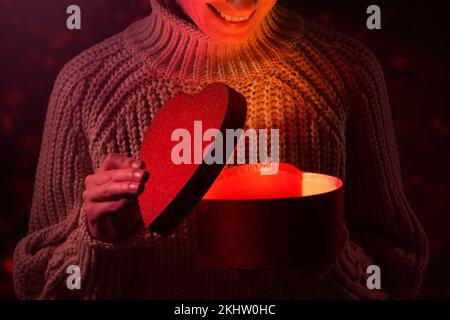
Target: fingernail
<point x="138" y="174"/>
<point x="133" y="186"/>
<point x="136" y="164"/>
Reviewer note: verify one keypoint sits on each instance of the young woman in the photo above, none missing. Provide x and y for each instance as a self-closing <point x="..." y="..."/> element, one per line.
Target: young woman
<point x="324" y="91"/>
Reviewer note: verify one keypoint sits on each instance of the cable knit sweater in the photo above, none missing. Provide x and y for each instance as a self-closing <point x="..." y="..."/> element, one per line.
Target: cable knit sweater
<point x="324" y="91"/>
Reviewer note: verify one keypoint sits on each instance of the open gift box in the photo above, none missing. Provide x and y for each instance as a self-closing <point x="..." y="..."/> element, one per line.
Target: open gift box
<point x="246" y="220"/>
<point x="253" y="221"/>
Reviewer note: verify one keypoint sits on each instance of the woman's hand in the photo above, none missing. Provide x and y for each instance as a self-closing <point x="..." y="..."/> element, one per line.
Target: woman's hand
<point x="110" y="197"/>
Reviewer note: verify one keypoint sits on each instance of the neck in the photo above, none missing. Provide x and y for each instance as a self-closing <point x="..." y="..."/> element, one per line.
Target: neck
<point x="175" y="47"/>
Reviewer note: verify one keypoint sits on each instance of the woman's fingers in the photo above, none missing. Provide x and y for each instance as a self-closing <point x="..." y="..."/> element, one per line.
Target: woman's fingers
<point x="110" y="196"/>
<point x="114" y="161"/>
<point x="137" y="164"/>
<point x="112" y="191"/>
<point x="118" y="161"/>
<point x="119" y="175"/>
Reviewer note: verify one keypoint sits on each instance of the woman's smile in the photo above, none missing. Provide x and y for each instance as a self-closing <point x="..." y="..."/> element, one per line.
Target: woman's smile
<point x="227" y="21"/>
<point x="228" y="15"/>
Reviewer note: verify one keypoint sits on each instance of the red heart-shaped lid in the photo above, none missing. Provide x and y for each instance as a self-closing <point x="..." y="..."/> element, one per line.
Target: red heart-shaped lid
<point x="174" y="189"/>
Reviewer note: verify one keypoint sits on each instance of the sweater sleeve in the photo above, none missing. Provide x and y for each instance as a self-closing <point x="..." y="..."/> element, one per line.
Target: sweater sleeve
<point x="381" y="228"/>
<point x="58" y="236"/>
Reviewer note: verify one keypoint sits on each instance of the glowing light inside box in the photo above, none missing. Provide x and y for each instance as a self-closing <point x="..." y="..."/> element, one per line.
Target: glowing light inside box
<point x="245" y="182"/>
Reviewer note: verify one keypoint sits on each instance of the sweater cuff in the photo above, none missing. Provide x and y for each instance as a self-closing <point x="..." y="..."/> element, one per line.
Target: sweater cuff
<point x="108" y="269"/>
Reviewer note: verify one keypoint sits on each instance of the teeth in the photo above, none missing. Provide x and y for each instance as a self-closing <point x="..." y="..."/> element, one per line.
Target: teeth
<point x="231" y="18"/>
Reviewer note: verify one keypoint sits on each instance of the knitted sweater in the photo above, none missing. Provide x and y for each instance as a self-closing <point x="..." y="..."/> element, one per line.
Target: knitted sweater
<point x="324" y="91"/>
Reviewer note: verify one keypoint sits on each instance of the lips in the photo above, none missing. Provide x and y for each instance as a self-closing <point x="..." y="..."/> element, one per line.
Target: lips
<point x="230" y="17"/>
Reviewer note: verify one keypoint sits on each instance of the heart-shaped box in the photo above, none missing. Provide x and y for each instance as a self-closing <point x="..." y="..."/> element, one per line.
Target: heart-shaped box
<point x="173" y="190"/>
<point x="252" y="221"/>
<point x="246" y="220"/>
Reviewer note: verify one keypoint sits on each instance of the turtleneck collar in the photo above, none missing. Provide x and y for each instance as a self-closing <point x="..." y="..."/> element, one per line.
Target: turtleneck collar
<point x="176" y="48"/>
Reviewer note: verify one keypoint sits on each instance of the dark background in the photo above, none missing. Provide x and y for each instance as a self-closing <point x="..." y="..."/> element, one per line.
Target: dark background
<point x="412" y="47"/>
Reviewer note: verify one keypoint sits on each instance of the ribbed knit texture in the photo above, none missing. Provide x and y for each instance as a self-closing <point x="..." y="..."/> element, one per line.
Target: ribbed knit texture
<point x="324" y="91"/>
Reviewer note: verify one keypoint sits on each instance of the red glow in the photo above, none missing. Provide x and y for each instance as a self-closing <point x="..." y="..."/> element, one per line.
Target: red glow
<point x="8" y="265"/>
<point x="246" y="182"/>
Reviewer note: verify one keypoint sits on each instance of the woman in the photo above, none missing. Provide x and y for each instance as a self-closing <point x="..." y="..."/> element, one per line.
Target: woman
<point x="324" y="91"/>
